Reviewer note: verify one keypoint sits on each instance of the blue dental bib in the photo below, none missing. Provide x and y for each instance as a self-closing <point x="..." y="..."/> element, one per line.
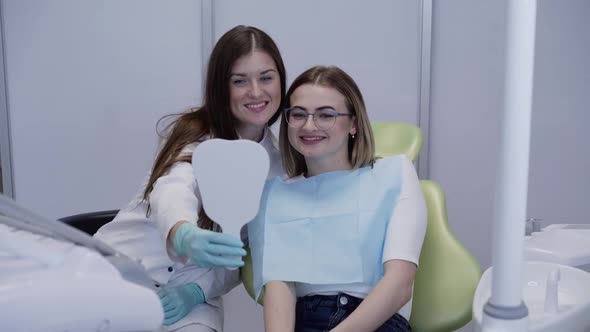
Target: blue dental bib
<point x="326" y="229"/>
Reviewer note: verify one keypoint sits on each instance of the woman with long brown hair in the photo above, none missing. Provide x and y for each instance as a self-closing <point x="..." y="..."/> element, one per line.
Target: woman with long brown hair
<point x="165" y="226"/>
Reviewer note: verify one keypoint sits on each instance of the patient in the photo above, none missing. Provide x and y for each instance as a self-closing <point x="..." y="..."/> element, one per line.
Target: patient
<point x="337" y="244"/>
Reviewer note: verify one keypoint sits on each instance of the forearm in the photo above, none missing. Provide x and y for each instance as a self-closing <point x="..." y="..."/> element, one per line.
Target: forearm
<point x="219" y="281"/>
<point x="173" y="199"/>
<point x="390" y="294"/>
<point x="279" y="307"/>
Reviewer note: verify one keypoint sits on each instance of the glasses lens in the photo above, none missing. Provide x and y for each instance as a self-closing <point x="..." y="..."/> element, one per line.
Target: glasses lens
<point x="325" y="119"/>
<point x="296" y="117"/>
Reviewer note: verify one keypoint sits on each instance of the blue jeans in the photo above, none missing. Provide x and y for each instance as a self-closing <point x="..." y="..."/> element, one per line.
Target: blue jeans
<point x="319" y="313"/>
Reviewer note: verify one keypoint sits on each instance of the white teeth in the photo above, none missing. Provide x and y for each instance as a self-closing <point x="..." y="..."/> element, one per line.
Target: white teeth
<point x="311" y="138"/>
<point x="255" y="105"/>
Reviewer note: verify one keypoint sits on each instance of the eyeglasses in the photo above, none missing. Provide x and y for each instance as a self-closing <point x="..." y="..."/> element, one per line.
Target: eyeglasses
<point x="323" y="119"/>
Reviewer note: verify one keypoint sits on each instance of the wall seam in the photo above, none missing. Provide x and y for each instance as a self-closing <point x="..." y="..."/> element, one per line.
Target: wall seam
<point x="5" y="142"/>
<point x="423" y="116"/>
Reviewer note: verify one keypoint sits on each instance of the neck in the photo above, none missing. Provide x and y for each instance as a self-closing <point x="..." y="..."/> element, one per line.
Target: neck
<point x="251" y="133"/>
<point x="317" y="167"/>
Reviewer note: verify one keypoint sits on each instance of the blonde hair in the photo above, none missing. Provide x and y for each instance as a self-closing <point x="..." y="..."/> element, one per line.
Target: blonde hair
<point x="361" y="149"/>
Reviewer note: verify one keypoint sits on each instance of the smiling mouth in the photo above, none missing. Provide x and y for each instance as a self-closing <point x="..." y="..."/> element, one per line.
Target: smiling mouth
<point x="258" y="107"/>
<point x="309" y="140"/>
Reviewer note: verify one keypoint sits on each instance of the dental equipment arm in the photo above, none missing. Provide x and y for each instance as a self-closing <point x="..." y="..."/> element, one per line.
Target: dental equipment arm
<point x="10" y="208"/>
<point x="11" y="213"/>
<point x="65" y="286"/>
<point x="505" y="310"/>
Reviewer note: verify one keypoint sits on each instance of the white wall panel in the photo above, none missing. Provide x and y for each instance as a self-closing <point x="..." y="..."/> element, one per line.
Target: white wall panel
<point x="376" y="42"/>
<point x="559" y="184"/>
<point x="466" y="103"/>
<point x="87" y="81"/>
<point x="466" y="99"/>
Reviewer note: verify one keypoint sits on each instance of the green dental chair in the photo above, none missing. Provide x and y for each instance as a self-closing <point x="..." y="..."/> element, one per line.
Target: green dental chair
<point x="393" y="138"/>
<point x="448" y="274"/>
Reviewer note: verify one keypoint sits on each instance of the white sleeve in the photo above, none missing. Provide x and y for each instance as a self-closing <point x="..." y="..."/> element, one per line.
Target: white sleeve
<point x="214" y="282"/>
<point x="407" y="227"/>
<point x="220" y="282"/>
<point x="174" y="198"/>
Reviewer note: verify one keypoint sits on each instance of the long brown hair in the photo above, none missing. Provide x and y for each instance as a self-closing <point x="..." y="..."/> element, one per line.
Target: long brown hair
<point x="361" y="149"/>
<point x="214" y="118"/>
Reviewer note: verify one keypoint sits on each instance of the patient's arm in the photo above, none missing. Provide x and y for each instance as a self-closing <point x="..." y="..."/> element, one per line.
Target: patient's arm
<point x="389" y="295"/>
<point x="279" y="306"/>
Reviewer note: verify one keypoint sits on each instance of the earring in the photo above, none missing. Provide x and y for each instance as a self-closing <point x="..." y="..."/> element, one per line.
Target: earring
<point x="352" y="136"/>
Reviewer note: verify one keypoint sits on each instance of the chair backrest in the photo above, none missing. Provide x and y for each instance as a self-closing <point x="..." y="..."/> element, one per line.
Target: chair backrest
<point x="393" y="138"/>
<point x="90" y="222"/>
<point x="247" y="275"/>
<point x="447" y="275"/>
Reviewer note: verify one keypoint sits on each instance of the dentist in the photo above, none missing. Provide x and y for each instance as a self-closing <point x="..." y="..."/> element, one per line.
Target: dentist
<point x="164" y="226"/>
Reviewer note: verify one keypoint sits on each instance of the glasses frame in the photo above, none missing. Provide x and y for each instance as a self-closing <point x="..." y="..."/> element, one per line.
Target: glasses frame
<point x="314" y="117"/>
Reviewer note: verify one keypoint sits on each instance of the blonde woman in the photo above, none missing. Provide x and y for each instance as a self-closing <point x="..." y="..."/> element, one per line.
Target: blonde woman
<point x="337" y="244"/>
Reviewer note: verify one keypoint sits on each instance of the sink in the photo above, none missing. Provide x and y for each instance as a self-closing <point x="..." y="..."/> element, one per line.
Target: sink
<point x="560" y="244"/>
<point x="577" y="227"/>
<point x="573" y="297"/>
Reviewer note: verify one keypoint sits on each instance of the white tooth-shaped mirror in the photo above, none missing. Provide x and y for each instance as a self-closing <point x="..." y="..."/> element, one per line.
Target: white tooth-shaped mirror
<point x="231" y="177"/>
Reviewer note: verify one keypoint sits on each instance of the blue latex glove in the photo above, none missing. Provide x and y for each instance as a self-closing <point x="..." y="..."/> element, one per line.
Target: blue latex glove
<point x="208" y="249"/>
<point x="179" y="301"/>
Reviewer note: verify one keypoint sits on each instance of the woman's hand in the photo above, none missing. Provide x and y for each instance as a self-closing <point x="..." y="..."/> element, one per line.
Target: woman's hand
<point x="178" y="301"/>
<point x="207" y="248"/>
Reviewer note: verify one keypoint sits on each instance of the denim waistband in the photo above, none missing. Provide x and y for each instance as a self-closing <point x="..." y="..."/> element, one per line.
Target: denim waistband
<point x="341" y="300"/>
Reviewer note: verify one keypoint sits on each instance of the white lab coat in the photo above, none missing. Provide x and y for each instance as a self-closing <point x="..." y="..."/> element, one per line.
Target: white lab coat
<point x="176" y="197"/>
